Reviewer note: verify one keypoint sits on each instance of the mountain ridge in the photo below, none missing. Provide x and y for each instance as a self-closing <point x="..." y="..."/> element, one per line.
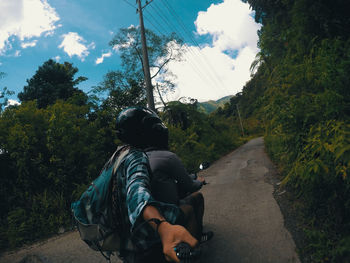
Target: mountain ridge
<point x="211" y="105"/>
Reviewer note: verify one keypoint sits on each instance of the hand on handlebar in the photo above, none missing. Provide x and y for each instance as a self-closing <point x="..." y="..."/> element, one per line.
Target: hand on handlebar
<point x="202" y="180"/>
<point x="171" y="236"/>
<point x="187" y="254"/>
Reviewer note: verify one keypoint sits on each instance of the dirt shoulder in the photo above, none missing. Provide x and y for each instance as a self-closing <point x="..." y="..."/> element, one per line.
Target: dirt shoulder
<point x="291" y="210"/>
<point x="64" y="248"/>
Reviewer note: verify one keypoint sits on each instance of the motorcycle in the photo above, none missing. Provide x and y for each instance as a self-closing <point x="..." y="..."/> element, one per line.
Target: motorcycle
<point x="184" y="252"/>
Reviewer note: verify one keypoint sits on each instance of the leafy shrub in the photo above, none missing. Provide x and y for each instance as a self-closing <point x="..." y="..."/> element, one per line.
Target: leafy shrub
<point x="206" y="139"/>
<point x="18" y="230"/>
<point x="322" y="168"/>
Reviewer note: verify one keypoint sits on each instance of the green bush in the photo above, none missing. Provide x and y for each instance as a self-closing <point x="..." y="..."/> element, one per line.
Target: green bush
<point x="18" y="231"/>
<point x="206" y="139"/>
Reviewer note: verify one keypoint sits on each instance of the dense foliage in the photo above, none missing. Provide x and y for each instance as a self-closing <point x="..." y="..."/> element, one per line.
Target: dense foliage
<point x="4" y="93"/>
<point x="301" y="92"/>
<point x="46" y="155"/>
<point x="52" y="81"/>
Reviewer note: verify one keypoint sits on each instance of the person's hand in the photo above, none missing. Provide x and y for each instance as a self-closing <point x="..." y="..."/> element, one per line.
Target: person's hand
<point x="201" y="179"/>
<point x="171" y="235"/>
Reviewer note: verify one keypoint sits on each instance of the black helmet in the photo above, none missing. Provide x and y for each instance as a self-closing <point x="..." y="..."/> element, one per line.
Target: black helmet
<point x="141" y="127"/>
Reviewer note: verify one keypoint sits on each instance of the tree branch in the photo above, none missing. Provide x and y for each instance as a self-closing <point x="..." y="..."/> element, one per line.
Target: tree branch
<point x="166" y="62"/>
<point x="160" y="95"/>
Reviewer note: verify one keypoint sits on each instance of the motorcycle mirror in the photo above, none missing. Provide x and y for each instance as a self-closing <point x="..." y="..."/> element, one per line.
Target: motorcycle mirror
<point x="204" y="165"/>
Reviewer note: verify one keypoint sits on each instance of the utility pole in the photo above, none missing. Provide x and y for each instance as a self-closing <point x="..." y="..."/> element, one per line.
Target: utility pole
<point x="239" y="116"/>
<point x="149" y="88"/>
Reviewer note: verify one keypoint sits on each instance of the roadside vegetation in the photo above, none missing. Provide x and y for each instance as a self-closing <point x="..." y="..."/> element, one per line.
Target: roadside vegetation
<point x="300" y="92"/>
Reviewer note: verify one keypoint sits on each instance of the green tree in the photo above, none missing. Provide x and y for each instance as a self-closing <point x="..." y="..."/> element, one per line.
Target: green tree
<point x="126" y="87"/>
<point x="52" y="81"/>
<point x="122" y="92"/>
<point x="46" y="155"/>
<point x="4" y="93"/>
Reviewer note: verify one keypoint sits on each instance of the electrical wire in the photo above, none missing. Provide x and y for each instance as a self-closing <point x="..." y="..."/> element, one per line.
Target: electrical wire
<point x="151" y="23"/>
<point x="161" y="26"/>
<point x="156" y="21"/>
<point x="196" y="68"/>
<point x="134" y="6"/>
<point x="178" y="19"/>
<point x="201" y="70"/>
<point x="206" y="66"/>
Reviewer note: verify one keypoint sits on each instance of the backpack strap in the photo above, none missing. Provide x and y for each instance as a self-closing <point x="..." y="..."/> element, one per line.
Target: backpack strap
<point x="122" y="153"/>
<point x="117" y="159"/>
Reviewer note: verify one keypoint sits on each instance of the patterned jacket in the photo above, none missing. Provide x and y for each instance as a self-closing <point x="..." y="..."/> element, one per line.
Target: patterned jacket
<point x="131" y="187"/>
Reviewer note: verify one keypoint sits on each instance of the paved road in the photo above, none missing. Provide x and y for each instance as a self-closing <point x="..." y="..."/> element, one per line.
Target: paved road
<point x="242" y="212"/>
<point x="240" y="209"/>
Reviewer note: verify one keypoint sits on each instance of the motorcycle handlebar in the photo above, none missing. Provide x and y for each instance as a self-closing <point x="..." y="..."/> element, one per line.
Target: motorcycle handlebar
<point x="186" y="254"/>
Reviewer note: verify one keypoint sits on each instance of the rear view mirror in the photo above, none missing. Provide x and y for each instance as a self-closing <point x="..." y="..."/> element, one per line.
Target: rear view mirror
<point x="204" y="165"/>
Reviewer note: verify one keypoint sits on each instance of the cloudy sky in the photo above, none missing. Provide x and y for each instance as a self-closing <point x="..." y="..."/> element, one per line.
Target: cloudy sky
<point x="220" y="40"/>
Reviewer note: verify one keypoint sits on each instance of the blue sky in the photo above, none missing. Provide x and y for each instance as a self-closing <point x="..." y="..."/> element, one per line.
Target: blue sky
<point x="78" y="31"/>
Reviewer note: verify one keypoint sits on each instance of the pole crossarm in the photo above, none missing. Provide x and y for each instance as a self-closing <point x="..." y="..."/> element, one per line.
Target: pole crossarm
<point x="143" y="7"/>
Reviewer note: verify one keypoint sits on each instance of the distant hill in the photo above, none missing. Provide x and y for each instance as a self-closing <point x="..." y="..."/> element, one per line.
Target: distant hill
<point x="211" y="105"/>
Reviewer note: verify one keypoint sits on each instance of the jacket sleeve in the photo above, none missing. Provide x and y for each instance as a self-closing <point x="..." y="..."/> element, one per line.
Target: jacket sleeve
<point x="138" y="193"/>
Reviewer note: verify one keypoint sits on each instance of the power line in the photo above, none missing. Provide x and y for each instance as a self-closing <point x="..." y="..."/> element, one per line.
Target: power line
<point x="134" y="6"/>
<point x="186" y="47"/>
<point x="164" y="18"/>
<point x="173" y="12"/>
<point x="156" y="21"/>
<point x="212" y="73"/>
<point x="149" y="21"/>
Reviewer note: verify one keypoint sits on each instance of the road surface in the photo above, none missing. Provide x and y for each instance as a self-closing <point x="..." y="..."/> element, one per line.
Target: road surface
<point x="240" y="209"/>
<point x="242" y="212"/>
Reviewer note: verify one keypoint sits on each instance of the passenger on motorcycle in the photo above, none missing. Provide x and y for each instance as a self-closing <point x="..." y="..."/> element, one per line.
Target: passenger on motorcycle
<point x="152" y="228"/>
<point x="172" y="184"/>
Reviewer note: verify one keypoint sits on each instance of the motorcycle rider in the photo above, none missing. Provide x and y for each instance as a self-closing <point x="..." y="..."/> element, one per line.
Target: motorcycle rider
<point x="171" y="183"/>
<point x="155" y="227"/>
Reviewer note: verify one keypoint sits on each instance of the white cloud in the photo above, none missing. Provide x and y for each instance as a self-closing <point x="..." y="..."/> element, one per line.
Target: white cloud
<point x="25" y="19"/>
<point x="12" y="102"/>
<point x="57" y="58"/>
<point x="29" y="44"/>
<point x="73" y="45"/>
<point x="231" y="24"/>
<point x="104" y="55"/>
<point x="210" y="72"/>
